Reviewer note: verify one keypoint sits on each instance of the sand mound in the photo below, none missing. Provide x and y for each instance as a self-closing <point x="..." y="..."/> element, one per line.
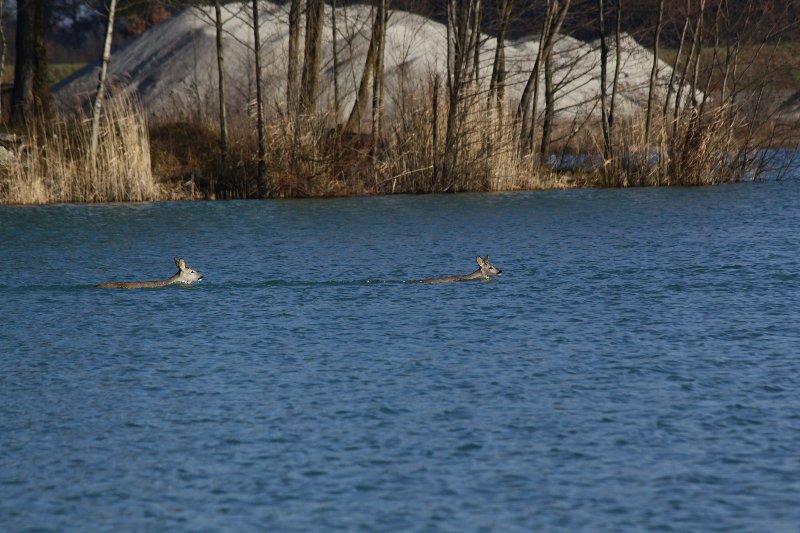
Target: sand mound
<point x="173" y="66"/>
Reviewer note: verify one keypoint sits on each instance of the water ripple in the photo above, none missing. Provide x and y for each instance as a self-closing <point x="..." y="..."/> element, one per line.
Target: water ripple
<point x="634" y="369"/>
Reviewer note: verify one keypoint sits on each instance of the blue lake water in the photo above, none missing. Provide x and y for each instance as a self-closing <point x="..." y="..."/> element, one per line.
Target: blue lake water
<point x="637" y="367"/>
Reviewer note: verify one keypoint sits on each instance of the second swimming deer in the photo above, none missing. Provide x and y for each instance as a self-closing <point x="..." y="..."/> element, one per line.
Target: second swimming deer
<point x="186" y="275"/>
<point x="485" y="271"/>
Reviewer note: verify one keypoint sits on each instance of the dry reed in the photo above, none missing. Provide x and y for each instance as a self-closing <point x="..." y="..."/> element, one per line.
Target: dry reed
<point x="55" y="164"/>
<point x="691" y="150"/>
<point x="311" y="157"/>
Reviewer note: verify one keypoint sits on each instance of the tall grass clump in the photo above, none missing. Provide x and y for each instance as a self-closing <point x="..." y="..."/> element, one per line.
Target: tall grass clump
<point x="692" y="149"/>
<point x="55" y="164"/>
<point x="313" y="157"/>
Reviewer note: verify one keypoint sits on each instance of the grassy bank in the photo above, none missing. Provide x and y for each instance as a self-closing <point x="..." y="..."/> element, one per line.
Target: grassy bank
<point x="179" y="159"/>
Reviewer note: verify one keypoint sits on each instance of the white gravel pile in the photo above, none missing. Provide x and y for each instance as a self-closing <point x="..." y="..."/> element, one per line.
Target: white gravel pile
<point x="173" y="67"/>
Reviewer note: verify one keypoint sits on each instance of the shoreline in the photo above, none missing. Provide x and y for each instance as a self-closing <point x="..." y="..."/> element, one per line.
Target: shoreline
<point x="377" y="195"/>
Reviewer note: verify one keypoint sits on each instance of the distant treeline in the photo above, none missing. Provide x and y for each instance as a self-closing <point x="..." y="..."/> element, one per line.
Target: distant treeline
<point x="74" y="28"/>
<point x="639" y="17"/>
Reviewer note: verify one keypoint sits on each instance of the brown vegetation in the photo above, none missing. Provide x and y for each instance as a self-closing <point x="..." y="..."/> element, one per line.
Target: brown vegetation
<point x="54" y="165"/>
<point x="453" y="133"/>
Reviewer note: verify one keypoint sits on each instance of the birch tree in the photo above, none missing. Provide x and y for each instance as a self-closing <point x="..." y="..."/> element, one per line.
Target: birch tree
<point x="101" y="78"/>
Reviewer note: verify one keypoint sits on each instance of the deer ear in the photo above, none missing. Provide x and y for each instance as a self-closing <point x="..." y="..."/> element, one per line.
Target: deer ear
<point x="180" y="263"/>
<point x="479" y="260"/>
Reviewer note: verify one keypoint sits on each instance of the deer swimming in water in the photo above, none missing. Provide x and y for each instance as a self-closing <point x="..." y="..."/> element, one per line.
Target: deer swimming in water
<point x="186" y="275"/>
<point x="485" y="271"/>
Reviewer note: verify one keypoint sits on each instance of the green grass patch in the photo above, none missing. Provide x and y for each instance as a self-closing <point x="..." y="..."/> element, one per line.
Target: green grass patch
<point x="59" y="71"/>
<point x="55" y="72"/>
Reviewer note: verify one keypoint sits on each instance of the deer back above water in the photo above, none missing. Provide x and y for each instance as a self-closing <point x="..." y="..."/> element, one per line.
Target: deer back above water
<point x="485" y="271"/>
<point x="185" y="275"/>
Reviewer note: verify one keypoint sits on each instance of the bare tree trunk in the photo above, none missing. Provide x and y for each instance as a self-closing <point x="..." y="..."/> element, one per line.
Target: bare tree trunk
<point x="653" y="77"/>
<point x="607" y="150"/>
<point x="30" y="65"/>
<point x="664" y="140"/>
<point x="696" y="70"/>
<point x="223" y="121"/>
<point x="453" y="86"/>
<point x="617" y="65"/>
<point x="531" y="90"/>
<point x="674" y="70"/>
<point x="262" y="143"/>
<point x="354" y="120"/>
<point x="549" y="108"/>
<point x="728" y="96"/>
<point x="528" y="106"/>
<point x="684" y="72"/>
<point x="497" y="85"/>
<point x="728" y="57"/>
<point x="334" y="44"/>
<point x="714" y="59"/>
<point x="22" y="103"/>
<point x="315" y="11"/>
<point x="377" y="74"/>
<point x="101" y="82"/>
<point x="559" y="14"/>
<point x="291" y="61"/>
<point x="435" y="127"/>
<point x="476" y="31"/>
<point x="463" y="42"/>
<point x="2" y="57"/>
